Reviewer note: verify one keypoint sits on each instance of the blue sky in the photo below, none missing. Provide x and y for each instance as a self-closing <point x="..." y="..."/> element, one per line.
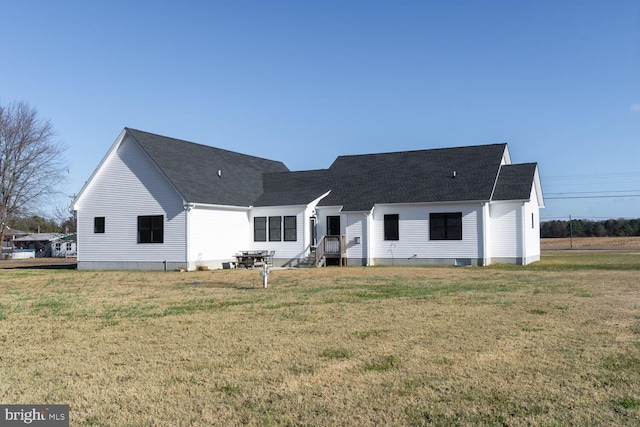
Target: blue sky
<point x="306" y="81"/>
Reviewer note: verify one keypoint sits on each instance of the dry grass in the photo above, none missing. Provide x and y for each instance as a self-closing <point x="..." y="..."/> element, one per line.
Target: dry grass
<point x="554" y="343"/>
<point x="592" y="242"/>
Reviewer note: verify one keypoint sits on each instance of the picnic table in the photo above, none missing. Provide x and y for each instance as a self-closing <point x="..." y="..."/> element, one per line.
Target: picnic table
<point x="250" y="259"/>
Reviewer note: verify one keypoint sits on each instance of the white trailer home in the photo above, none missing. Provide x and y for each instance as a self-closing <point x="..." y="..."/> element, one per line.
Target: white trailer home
<point x="156" y="202"/>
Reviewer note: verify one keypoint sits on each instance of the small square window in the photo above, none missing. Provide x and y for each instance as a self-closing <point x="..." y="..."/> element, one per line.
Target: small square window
<point x="98" y="224"/>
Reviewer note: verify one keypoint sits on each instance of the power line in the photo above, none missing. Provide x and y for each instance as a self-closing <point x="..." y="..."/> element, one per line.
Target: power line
<point x="593" y="192"/>
<point x="592" y="197"/>
<point x="593" y="175"/>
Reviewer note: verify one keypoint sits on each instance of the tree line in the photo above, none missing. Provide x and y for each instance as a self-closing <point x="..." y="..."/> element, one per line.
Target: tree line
<point x="39" y="224"/>
<point x="588" y="228"/>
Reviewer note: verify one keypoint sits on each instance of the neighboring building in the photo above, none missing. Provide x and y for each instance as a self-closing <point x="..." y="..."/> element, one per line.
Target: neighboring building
<point x="7" y="246"/>
<point x="64" y="247"/>
<point x="161" y="203"/>
<point x="38" y="245"/>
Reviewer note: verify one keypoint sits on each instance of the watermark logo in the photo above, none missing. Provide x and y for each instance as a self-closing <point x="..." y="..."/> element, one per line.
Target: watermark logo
<point x="34" y="415"/>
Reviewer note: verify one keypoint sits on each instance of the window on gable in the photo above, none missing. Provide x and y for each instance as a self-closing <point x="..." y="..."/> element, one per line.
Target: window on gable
<point x="275" y="228"/>
<point x="151" y="229"/>
<point x="98" y="224"/>
<point x="260" y="229"/>
<point x="392" y="227"/>
<point x="290" y="229"/>
<point x="445" y="226"/>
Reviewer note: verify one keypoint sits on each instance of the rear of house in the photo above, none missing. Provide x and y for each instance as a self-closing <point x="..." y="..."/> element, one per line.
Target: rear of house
<point x="160" y="203"/>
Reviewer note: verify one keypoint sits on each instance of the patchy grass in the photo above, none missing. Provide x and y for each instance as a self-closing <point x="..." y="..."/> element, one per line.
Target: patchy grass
<point x="336" y="353"/>
<point x="382" y="364"/>
<point x="553" y="343"/>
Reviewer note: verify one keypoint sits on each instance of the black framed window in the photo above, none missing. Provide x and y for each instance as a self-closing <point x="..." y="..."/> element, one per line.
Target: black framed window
<point x="98" y="224"/>
<point x="392" y="227"/>
<point x="290" y="229"/>
<point x="151" y="229"/>
<point x="275" y="228"/>
<point x="445" y="226"/>
<point x="260" y="229"/>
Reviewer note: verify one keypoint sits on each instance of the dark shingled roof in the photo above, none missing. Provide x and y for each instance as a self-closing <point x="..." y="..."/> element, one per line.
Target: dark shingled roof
<point x="356" y="183"/>
<point x="515" y="182"/>
<point x="294" y="188"/>
<point x="415" y="176"/>
<point x="359" y="182"/>
<point x="193" y="169"/>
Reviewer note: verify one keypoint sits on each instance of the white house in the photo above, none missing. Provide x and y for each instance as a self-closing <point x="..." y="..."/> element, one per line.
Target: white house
<point x="37" y="245"/>
<point x="156" y="202"/>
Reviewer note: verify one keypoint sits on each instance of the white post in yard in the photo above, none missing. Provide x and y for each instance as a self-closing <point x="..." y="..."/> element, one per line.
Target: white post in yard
<point x="265" y="275"/>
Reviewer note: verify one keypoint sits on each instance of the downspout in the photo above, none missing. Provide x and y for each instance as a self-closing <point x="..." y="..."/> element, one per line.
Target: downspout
<point x="369" y="232"/>
<point x="187" y="232"/>
<point x="485" y="234"/>
<point x="523" y="224"/>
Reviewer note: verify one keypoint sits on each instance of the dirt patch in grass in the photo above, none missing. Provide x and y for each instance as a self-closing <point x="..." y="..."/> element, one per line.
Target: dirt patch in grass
<point x="554" y="343"/>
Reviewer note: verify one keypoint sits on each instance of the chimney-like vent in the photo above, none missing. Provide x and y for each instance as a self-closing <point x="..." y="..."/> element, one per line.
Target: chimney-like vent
<point x="454" y="174"/>
<point x="219" y="173"/>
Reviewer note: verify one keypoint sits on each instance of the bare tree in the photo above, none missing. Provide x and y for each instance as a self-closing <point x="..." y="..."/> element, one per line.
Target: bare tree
<point x="31" y="162"/>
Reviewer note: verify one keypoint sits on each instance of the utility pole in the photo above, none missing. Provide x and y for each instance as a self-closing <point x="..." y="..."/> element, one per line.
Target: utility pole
<point x="570" y="232"/>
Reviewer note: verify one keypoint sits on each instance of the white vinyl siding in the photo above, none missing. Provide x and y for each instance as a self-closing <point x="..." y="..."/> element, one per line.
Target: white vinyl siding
<point x="283" y="249"/>
<point x="532" y="234"/>
<point x="506" y="236"/>
<point x="414" y="240"/>
<point x="356" y="227"/>
<point x="127" y="186"/>
<point x="323" y="213"/>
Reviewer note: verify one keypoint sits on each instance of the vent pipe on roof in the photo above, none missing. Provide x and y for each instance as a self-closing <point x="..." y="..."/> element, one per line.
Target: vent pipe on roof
<point x="454" y="174"/>
<point x="219" y="173"/>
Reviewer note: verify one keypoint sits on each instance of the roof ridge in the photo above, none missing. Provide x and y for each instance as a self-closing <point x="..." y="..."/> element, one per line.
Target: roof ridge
<point x="129" y="130"/>
<point x="425" y="149"/>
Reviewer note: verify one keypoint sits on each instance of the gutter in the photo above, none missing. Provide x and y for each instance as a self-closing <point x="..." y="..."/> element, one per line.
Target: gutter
<point x="189" y="206"/>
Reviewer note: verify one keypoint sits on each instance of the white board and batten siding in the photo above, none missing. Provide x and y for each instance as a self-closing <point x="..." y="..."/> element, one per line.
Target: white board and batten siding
<point x="128" y="185"/>
<point x="414" y="246"/>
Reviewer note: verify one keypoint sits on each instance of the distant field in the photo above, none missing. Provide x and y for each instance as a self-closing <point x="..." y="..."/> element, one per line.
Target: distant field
<point x="556" y="343"/>
<point x="592" y="242"/>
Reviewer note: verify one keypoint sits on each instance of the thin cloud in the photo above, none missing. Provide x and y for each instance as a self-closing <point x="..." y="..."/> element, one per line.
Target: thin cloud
<point x="635" y="108"/>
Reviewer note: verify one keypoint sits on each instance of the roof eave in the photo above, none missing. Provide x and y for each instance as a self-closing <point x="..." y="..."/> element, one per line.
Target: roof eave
<point x="96" y="171"/>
